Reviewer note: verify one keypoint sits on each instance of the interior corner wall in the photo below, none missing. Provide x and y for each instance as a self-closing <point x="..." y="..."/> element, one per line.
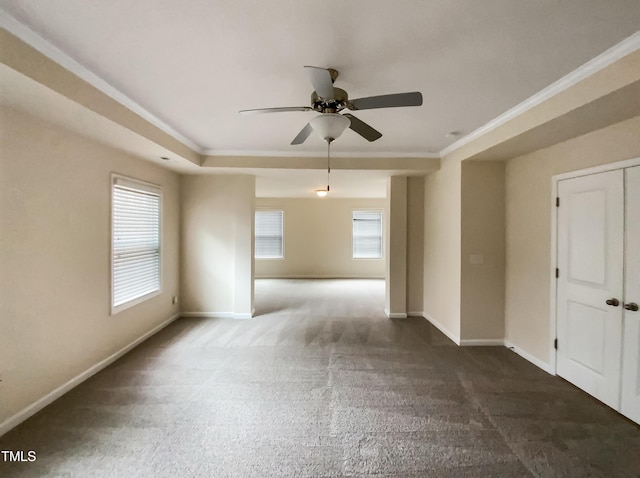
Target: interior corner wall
<point x="217" y="245"/>
<point x="396" y="248"/>
<point x="415" y="244"/>
<point x="528" y="226"/>
<point x="482" y="252"/>
<point x="318" y="239"/>
<point x="244" y="270"/>
<point x="55" y="293"/>
<point x="442" y="241"/>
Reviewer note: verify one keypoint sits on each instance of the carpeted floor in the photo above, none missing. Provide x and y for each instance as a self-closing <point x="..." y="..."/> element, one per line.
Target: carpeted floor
<point x="321" y="384"/>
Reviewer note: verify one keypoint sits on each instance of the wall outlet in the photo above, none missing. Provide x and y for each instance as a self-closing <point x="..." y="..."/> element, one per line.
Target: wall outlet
<point x="174" y="299"/>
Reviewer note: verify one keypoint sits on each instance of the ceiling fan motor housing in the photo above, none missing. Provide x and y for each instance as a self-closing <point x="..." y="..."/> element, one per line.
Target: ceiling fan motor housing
<point x="330" y="105"/>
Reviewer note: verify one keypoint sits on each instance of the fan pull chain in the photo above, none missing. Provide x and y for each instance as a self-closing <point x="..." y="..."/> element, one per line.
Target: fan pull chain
<point x="328" y="163"/>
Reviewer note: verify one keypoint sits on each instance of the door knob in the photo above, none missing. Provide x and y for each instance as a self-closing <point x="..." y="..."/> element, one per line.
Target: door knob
<point x="613" y="302"/>
<point x="631" y="306"/>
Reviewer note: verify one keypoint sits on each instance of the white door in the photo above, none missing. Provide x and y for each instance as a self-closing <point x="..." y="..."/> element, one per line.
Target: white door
<point x="590" y="262"/>
<point x="631" y="347"/>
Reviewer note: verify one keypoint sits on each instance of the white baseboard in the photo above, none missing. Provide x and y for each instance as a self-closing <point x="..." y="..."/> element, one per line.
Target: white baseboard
<point x="527" y="356"/>
<point x="209" y="315"/>
<point x="220" y="315"/>
<point x="457" y="340"/>
<point x="395" y="315"/>
<point x="50" y="397"/>
<point x="245" y="315"/>
<point x="482" y="342"/>
<point x="442" y="328"/>
<point x="415" y="314"/>
<point x="315" y="276"/>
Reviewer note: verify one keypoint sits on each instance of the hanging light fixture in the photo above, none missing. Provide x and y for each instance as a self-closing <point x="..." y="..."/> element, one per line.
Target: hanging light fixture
<point x="330" y="125"/>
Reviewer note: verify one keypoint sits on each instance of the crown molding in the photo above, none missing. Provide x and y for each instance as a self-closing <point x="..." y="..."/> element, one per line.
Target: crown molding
<point x="311" y="154"/>
<point x="52" y="52"/>
<point x="613" y="54"/>
<point x="24" y="33"/>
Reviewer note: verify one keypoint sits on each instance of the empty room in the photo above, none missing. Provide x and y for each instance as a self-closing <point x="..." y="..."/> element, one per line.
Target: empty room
<point x="320" y="239"/>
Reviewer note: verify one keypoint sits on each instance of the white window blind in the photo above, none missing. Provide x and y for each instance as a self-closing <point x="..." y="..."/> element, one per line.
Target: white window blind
<point x="367" y="234"/>
<point x="135" y="241"/>
<point x="269" y="235"/>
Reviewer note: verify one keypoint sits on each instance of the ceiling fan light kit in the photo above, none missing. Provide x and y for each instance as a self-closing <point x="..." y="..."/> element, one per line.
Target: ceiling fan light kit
<point x="329" y="101"/>
<point x="330" y="126"/>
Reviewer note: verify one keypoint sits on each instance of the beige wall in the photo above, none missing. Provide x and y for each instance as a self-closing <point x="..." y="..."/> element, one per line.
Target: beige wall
<point x="217" y="245"/>
<point x="528" y="230"/>
<point x="54" y="258"/>
<point x="317" y="239"/>
<point x="483" y="234"/>
<point x="396" y="248"/>
<point x="442" y="206"/>
<point x="415" y="244"/>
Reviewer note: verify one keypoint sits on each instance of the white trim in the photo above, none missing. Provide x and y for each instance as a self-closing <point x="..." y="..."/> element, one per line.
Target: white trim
<point x="316" y="276"/>
<point x="553" y="282"/>
<point x="244" y="315"/>
<point x="135" y="184"/>
<point x="603" y="168"/>
<point x="613" y="54"/>
<point x="39" y="404"/>
<point x="482" y="342"/>
<point x="553" y="286"/>
<point x="317" y="154"/>
<point x="450" y="335"/>
<point x="52" y="52"/>
<point x="220" y="315"/>
<point x="527" y="356"/>
<point x="415" y="313"/>
<point x="394" y="315"/>
<point x="115" y="310"/>
<point x="209" y="315"/>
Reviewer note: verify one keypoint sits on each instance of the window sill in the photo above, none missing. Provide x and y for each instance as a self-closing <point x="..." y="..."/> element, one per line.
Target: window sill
<point x="117" y="309"/>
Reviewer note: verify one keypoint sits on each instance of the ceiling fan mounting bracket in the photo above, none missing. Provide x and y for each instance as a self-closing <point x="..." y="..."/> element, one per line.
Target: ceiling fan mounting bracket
<point x="334" y="74"/>
<point x="324" y="105"/>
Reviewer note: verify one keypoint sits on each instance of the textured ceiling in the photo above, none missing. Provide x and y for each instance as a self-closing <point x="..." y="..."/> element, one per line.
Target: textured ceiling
<point x="195" y="64"/>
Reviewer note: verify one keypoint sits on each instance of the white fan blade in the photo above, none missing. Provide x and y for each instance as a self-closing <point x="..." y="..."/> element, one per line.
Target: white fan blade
<point x="387" y="101"/>
<point x="321" y="80"/>
<point x="283" y="109"/>
<point x="302" y="135"/>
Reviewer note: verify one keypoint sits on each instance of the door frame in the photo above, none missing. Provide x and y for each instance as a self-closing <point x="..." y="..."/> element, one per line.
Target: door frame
<point x="553" y="330"/>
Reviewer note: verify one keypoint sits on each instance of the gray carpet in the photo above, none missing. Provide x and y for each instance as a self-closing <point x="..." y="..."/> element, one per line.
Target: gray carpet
<point x="321" y="384"/>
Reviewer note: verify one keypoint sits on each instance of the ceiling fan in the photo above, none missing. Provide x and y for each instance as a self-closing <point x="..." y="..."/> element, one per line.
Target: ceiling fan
<point x="329" y="101"/>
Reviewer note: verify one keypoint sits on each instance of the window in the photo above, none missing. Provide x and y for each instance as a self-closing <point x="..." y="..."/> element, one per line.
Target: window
<point x="135" y="242"/>
<point x="269" y="235"/>
<point x="367" y="234"/>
